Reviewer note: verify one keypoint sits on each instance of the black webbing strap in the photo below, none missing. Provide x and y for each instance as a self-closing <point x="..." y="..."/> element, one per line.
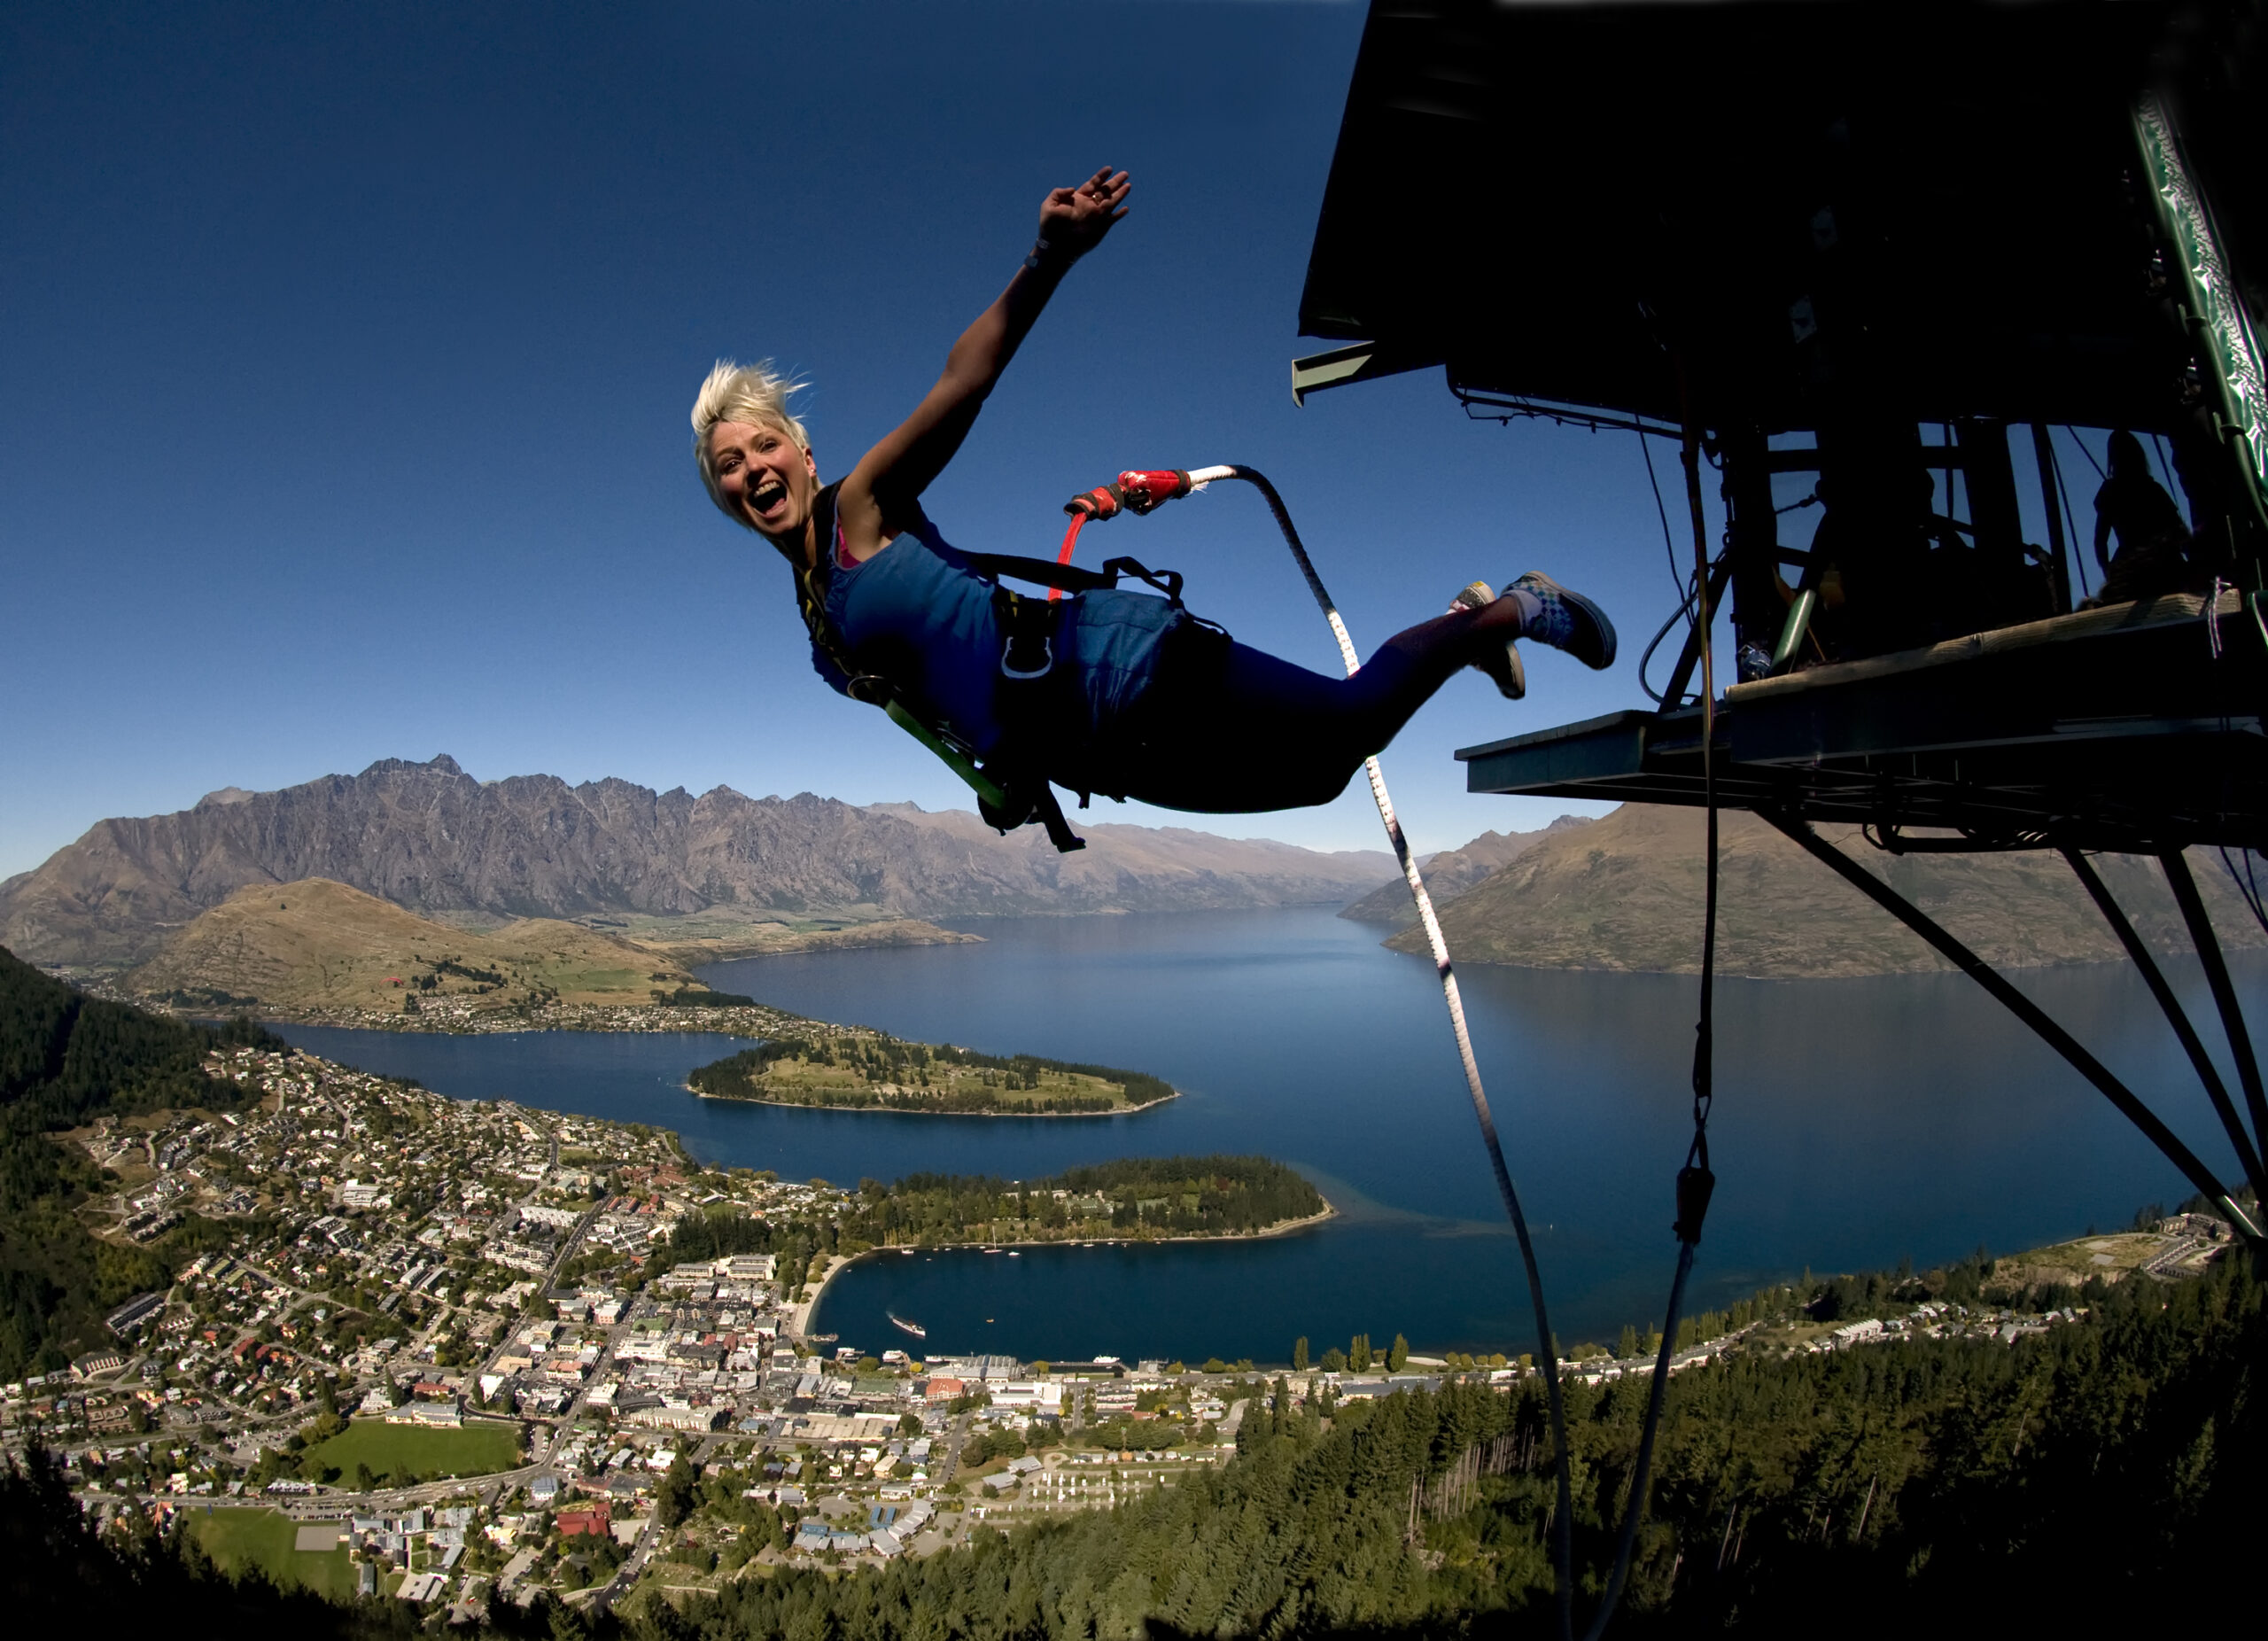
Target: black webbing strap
<point x="1073" y="578"/>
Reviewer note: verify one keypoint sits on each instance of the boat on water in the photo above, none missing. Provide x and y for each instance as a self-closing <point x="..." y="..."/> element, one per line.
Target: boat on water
<point x="914" y="1328"/>
<point x="1015" y="1253"/>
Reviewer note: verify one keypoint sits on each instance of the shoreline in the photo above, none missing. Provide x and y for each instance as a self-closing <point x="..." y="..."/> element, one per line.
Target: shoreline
<point x="756" y="1022"/>
<point x="882" y="1110"/>
<point x="1282" y="1227"/>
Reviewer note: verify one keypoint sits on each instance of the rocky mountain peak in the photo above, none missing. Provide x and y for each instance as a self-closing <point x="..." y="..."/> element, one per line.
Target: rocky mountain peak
<point x="430" y="839"/>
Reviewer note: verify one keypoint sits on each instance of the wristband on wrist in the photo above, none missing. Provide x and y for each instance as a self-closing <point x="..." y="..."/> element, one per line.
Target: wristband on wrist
<point x="1038" y="248"/>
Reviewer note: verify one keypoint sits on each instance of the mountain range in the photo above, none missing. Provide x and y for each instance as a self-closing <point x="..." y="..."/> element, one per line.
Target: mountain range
<point x="693" y="880"/>
<point x="433" y="840"/>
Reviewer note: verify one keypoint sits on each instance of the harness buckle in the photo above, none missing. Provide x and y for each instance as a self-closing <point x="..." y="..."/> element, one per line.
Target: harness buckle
<point x="1008" y="658"/>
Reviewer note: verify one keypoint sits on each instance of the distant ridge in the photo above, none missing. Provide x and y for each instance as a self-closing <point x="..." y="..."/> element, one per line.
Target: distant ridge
<point x="1625" y="893"/>
<point x="431" y="839"/>
<point x="1453" y="871"/>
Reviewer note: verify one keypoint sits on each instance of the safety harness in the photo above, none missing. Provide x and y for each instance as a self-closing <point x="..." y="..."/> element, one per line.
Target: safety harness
<point x="1032" y="701"/>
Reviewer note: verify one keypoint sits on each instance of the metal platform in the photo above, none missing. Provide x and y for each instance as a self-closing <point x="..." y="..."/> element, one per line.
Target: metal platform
<point x="2124" y="728"/>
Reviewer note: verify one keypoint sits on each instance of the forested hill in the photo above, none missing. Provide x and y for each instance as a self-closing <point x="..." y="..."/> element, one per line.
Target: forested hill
<point x="430" y="838"/>
<point x="66" y="1058"/>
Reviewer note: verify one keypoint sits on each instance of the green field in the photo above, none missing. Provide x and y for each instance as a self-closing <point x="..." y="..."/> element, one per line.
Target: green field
<point x="398" y="1453"/>
<point x="238" y="1540"/>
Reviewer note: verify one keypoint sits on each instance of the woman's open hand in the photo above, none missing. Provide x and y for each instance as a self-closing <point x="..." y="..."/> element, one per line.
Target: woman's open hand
<point x="1073" y="220"/>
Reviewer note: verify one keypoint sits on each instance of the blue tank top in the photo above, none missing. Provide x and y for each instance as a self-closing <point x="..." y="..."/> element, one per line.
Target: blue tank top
<point x="919" y="615"/>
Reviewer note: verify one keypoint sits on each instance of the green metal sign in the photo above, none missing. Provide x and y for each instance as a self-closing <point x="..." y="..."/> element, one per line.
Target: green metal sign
<point x="2217" y="316"/>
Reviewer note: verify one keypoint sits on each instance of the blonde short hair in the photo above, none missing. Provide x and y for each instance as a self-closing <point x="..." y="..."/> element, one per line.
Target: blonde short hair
<point x="755" y="395"/>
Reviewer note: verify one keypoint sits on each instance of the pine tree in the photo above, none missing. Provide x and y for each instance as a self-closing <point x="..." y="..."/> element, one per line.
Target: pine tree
<point x="1397" y="1356"/>
<point x="1299" y="1354"/>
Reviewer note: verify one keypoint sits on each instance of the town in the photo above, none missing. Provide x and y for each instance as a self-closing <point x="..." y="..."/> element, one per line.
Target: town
<point x="456" y="1352"/>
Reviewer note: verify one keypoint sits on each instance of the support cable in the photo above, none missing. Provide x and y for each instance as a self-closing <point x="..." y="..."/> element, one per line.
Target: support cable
<point x="2023" y="1008"/>
<point x="2216" y="976"/>
<point x="1547" y="1352"/>
<point x="2146" y="962"/>
<point x="2084" y="451"/>
<point x="2078" y="557"/>
<point x="1682" y="612"/>
<point x="1695" y="1182"/>
<point x="1676" y="576"/>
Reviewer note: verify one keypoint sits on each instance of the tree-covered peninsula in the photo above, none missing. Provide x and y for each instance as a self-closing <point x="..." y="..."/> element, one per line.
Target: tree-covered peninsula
<point x="873" y="1072"/>
<point x="1134" y="1199"/>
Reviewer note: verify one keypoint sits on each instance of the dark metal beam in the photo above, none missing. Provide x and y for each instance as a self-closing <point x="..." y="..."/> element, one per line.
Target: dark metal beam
<point x="2024" y="1009"/>
<point x="1673" y="694"/>
<point x="2147" y="962"/>
<point x="2216" y="976"/>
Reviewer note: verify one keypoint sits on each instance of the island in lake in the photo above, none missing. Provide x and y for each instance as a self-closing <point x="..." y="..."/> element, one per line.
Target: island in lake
<point x="872" y="1071"/>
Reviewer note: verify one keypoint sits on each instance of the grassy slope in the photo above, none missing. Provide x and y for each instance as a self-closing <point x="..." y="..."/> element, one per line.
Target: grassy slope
<point x="403" y="1450"/>
<point x="319" y="944"/>
<point x="722" y="934"/>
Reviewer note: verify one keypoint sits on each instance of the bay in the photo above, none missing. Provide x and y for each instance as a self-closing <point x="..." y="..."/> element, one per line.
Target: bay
<point x="1856" y="1121"/>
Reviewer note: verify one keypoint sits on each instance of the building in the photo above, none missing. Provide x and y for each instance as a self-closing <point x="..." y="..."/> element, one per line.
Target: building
<point x="435" y="1415"/>
<point x="134" y="1314"/>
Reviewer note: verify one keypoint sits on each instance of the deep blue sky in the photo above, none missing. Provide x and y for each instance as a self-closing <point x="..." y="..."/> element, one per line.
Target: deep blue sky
<point x="349" y="354"/>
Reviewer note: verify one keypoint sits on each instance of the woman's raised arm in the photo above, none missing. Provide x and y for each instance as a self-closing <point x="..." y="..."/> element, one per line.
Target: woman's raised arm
<point x="876" y="500"/>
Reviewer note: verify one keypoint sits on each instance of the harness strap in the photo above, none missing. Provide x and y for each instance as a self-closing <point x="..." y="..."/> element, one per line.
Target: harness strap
<point x="1044" y="572"/>
<point x="1010" y="792"/>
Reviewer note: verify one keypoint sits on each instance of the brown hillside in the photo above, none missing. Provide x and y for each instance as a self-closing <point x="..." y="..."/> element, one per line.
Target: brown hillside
<point x="315" y="944"/>
<point x="1625" y="893"/>
<point x="1453" y="871"/>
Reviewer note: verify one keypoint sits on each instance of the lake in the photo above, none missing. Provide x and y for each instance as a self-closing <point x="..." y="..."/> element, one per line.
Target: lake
<point x="1857" y="1122"/>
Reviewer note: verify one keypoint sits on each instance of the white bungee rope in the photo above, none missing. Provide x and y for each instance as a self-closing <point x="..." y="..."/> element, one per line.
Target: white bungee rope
<point x="1547" y="1352"/>
<point x="1142" y="492"/>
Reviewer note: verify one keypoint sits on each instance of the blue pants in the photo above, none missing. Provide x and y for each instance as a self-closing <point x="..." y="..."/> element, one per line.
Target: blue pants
<point x="1227" y="729"/>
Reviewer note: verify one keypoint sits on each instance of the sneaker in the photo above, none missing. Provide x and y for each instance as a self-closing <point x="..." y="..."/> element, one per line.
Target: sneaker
<point x="1566" y="621"/>
<point x="1502" y="663"/>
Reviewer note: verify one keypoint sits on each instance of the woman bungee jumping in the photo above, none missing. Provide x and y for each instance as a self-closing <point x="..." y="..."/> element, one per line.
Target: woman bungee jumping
<point x="1109" y="690"/>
